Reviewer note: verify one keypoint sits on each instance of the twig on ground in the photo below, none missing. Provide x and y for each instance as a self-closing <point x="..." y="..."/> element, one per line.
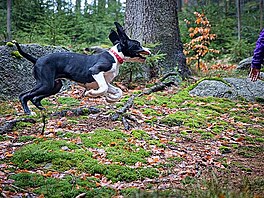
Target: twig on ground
<point x="9" y="125"/>
<point x="44" y="122"/>
<point x="158" y="87"/>
<point x="77" y="112"/>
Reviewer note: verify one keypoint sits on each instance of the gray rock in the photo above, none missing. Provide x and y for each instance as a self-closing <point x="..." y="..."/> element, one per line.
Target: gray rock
<point x="245" y="63"/>
<point x="16" y="73"/>
<point x="234" y="88"/>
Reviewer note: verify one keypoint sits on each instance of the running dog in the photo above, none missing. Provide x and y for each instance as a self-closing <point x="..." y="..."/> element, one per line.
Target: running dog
<point x="94" y="72"/>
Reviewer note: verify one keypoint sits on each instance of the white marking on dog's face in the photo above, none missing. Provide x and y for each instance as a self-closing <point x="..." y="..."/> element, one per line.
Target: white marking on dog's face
<point x="146" y="50"/>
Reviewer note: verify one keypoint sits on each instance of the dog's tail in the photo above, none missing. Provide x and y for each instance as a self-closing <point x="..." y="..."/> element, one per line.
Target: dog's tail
<point x="24" y="54"/>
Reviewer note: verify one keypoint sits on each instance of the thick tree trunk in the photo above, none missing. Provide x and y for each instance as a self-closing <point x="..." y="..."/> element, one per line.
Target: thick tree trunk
<point x="156" y="21"/>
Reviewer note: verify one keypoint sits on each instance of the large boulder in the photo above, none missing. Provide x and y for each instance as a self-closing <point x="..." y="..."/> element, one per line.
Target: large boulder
<point x="232" y="88"/>
<point x="16" y="72"/>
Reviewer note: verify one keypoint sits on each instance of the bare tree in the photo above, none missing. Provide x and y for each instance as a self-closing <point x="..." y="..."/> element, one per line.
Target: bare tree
<point x="156" y="21"/>
<point x="261" y="13"/>
<point x="8" y="20"/>
<point x="238" y="5"/>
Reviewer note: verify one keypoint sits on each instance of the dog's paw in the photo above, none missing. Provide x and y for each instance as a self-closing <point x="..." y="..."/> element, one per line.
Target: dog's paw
<point x="114" y="96"/>
<point x="112" y="99"/>
<point x="95" y="93"/>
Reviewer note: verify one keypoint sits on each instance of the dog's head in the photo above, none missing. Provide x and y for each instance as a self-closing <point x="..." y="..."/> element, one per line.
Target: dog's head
<point x="131" y="49"/>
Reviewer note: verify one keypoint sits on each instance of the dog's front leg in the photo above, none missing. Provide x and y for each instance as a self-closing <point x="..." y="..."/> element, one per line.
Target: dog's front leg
<point x="102" y="84"/>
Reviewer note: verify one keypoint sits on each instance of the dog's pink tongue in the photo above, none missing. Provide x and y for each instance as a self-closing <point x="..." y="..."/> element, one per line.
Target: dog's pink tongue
<point x="142" y="60"/>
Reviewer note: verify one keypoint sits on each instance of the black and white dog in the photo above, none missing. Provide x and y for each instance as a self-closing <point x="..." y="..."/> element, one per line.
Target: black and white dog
<point x="94" y="72"/>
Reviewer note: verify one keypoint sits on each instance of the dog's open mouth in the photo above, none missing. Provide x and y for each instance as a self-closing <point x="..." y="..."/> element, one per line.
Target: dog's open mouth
<point x="143" y="54"/>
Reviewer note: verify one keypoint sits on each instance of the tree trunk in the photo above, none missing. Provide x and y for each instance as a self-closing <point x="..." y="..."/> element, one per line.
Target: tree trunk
<point x="261" y="13"/>
<point x="8" y="21"/>
<point x="78" y="6"/>
<point x="238" y="5"/>
<point x="156" y="21"/>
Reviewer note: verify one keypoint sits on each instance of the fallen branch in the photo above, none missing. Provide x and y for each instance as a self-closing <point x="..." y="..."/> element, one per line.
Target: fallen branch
<point x="158" y="87"/>
<point x="9" y="125"/>
<point x="77" y="112"/>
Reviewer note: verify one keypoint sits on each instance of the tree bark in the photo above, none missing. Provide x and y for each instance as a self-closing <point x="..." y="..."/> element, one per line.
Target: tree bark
<point x="156" y="21"/>
<point x="261" y="13"/>
<point x="238" y="5"/>
<point x="8" y="21"/>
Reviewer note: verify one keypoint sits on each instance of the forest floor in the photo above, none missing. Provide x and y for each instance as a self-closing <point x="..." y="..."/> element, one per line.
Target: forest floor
<point x="177" y="146"/>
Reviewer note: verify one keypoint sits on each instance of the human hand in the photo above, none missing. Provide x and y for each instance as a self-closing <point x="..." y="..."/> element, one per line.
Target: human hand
<point x="254" y="74"/>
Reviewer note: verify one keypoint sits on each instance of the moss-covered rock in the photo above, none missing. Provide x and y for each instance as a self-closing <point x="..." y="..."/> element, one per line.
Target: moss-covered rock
<point x="15" y="71"/>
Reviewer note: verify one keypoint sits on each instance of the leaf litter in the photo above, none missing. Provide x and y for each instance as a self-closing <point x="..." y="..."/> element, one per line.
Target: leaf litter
<point x="177" y="152"/>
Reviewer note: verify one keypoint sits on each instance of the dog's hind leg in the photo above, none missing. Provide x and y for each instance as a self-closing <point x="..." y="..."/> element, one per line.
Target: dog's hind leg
<point x="23" y="99"/>
<point x="37" y="100"/>
<point x="42" y="89"/>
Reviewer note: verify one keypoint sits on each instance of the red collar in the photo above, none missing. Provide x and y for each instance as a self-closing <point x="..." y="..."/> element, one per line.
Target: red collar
<point x="119" y="59"/>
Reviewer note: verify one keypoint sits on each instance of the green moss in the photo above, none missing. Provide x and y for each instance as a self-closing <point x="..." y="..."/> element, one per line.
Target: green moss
<point x="41" y="153"/>
<point x="184" y="133"/>
<point x="140" y="134"/>
<point x="259" y="139"/>
<point x="255" y="131"/>
<point x="2" y="138"/>
<point x="68" y="101"/>
<point x="73" y="121"/>
<point x="151" y="121"/>
<point x="207" y="135"/>
<point x="259" y="99"/>
<point x="16" y="54"/>
<point x="208" y="78"/>
<point x="9" y="44"/>
<point x="62" y="155"/>
<point x="26" y="138"/>
<point x="149" y="111"/>
<point x="47" y="102"/>
<point x="175" y="159"/>
<point x="156" y="142"/>
<point x="67" y="187"/>
<point x="224" y="149"/>
<point x="20" y="125"/>
<point x="189" y="118"/>
<point x="242" y="118"/>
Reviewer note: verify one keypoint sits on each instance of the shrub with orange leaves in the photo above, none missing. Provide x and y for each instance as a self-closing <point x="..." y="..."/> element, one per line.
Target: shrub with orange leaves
<point x="201" y="38"/>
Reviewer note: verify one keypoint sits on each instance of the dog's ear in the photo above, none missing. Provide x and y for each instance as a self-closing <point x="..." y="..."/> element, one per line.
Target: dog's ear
<point x="121" y="33"/>
<point x="114" y="38"/>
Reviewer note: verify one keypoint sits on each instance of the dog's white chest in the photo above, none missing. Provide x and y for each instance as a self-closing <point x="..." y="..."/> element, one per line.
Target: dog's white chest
<point x="108" y="77"/>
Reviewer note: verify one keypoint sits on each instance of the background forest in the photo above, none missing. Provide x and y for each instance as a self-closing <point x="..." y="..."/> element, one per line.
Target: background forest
<point x="77" y="24"/>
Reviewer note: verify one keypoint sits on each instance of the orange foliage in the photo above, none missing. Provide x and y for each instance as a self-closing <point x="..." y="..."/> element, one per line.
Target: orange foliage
<point x="223" y="67"/>
<point x="201" y="37"/>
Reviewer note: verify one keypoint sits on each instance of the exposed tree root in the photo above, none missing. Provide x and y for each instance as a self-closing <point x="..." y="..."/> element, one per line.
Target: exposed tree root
<point x="9" y="125"/>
